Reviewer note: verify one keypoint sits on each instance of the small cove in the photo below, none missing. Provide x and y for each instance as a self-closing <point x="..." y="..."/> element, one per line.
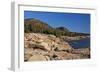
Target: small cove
<point x="82" y="43"/>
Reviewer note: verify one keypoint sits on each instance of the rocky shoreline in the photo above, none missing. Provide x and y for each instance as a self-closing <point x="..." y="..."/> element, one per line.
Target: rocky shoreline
<point x="43" y="47"/>
<point x="67" y="38"/>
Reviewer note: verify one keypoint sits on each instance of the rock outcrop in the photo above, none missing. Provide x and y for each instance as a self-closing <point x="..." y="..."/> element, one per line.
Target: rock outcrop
<point x="43" y="47"/>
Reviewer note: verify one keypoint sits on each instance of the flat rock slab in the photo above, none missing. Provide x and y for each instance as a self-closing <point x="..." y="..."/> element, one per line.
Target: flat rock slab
<point x="37" y="58"/>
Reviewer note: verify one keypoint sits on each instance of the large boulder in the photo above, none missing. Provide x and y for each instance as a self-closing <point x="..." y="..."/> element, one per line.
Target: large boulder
<point x="46" y="46"/>
<point x="65" y="56"/>
<point x="39" y="51"/>
<point x="28" y="50"/>
<point x="38" y="58"/>
<point x="27" y="56"/>
<point x="62" y="47"/>
<point x="43" y="46"/>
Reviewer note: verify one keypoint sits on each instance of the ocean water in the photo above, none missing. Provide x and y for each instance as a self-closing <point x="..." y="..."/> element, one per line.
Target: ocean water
<point x="83" y="43"/>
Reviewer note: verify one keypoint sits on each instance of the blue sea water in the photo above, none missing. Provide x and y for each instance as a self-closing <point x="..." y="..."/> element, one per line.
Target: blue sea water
<point x="83" y="43"/>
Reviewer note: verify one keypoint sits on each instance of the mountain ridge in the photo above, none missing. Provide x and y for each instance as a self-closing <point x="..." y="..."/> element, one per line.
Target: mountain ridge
<point x="38" y="26"/>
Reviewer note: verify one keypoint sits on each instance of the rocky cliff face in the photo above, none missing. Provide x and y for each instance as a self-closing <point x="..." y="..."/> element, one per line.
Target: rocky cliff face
<point x="43" y="47"/>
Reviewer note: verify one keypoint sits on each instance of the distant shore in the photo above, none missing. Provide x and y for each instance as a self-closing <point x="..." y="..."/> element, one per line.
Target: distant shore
<point x="67" y="38"/>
